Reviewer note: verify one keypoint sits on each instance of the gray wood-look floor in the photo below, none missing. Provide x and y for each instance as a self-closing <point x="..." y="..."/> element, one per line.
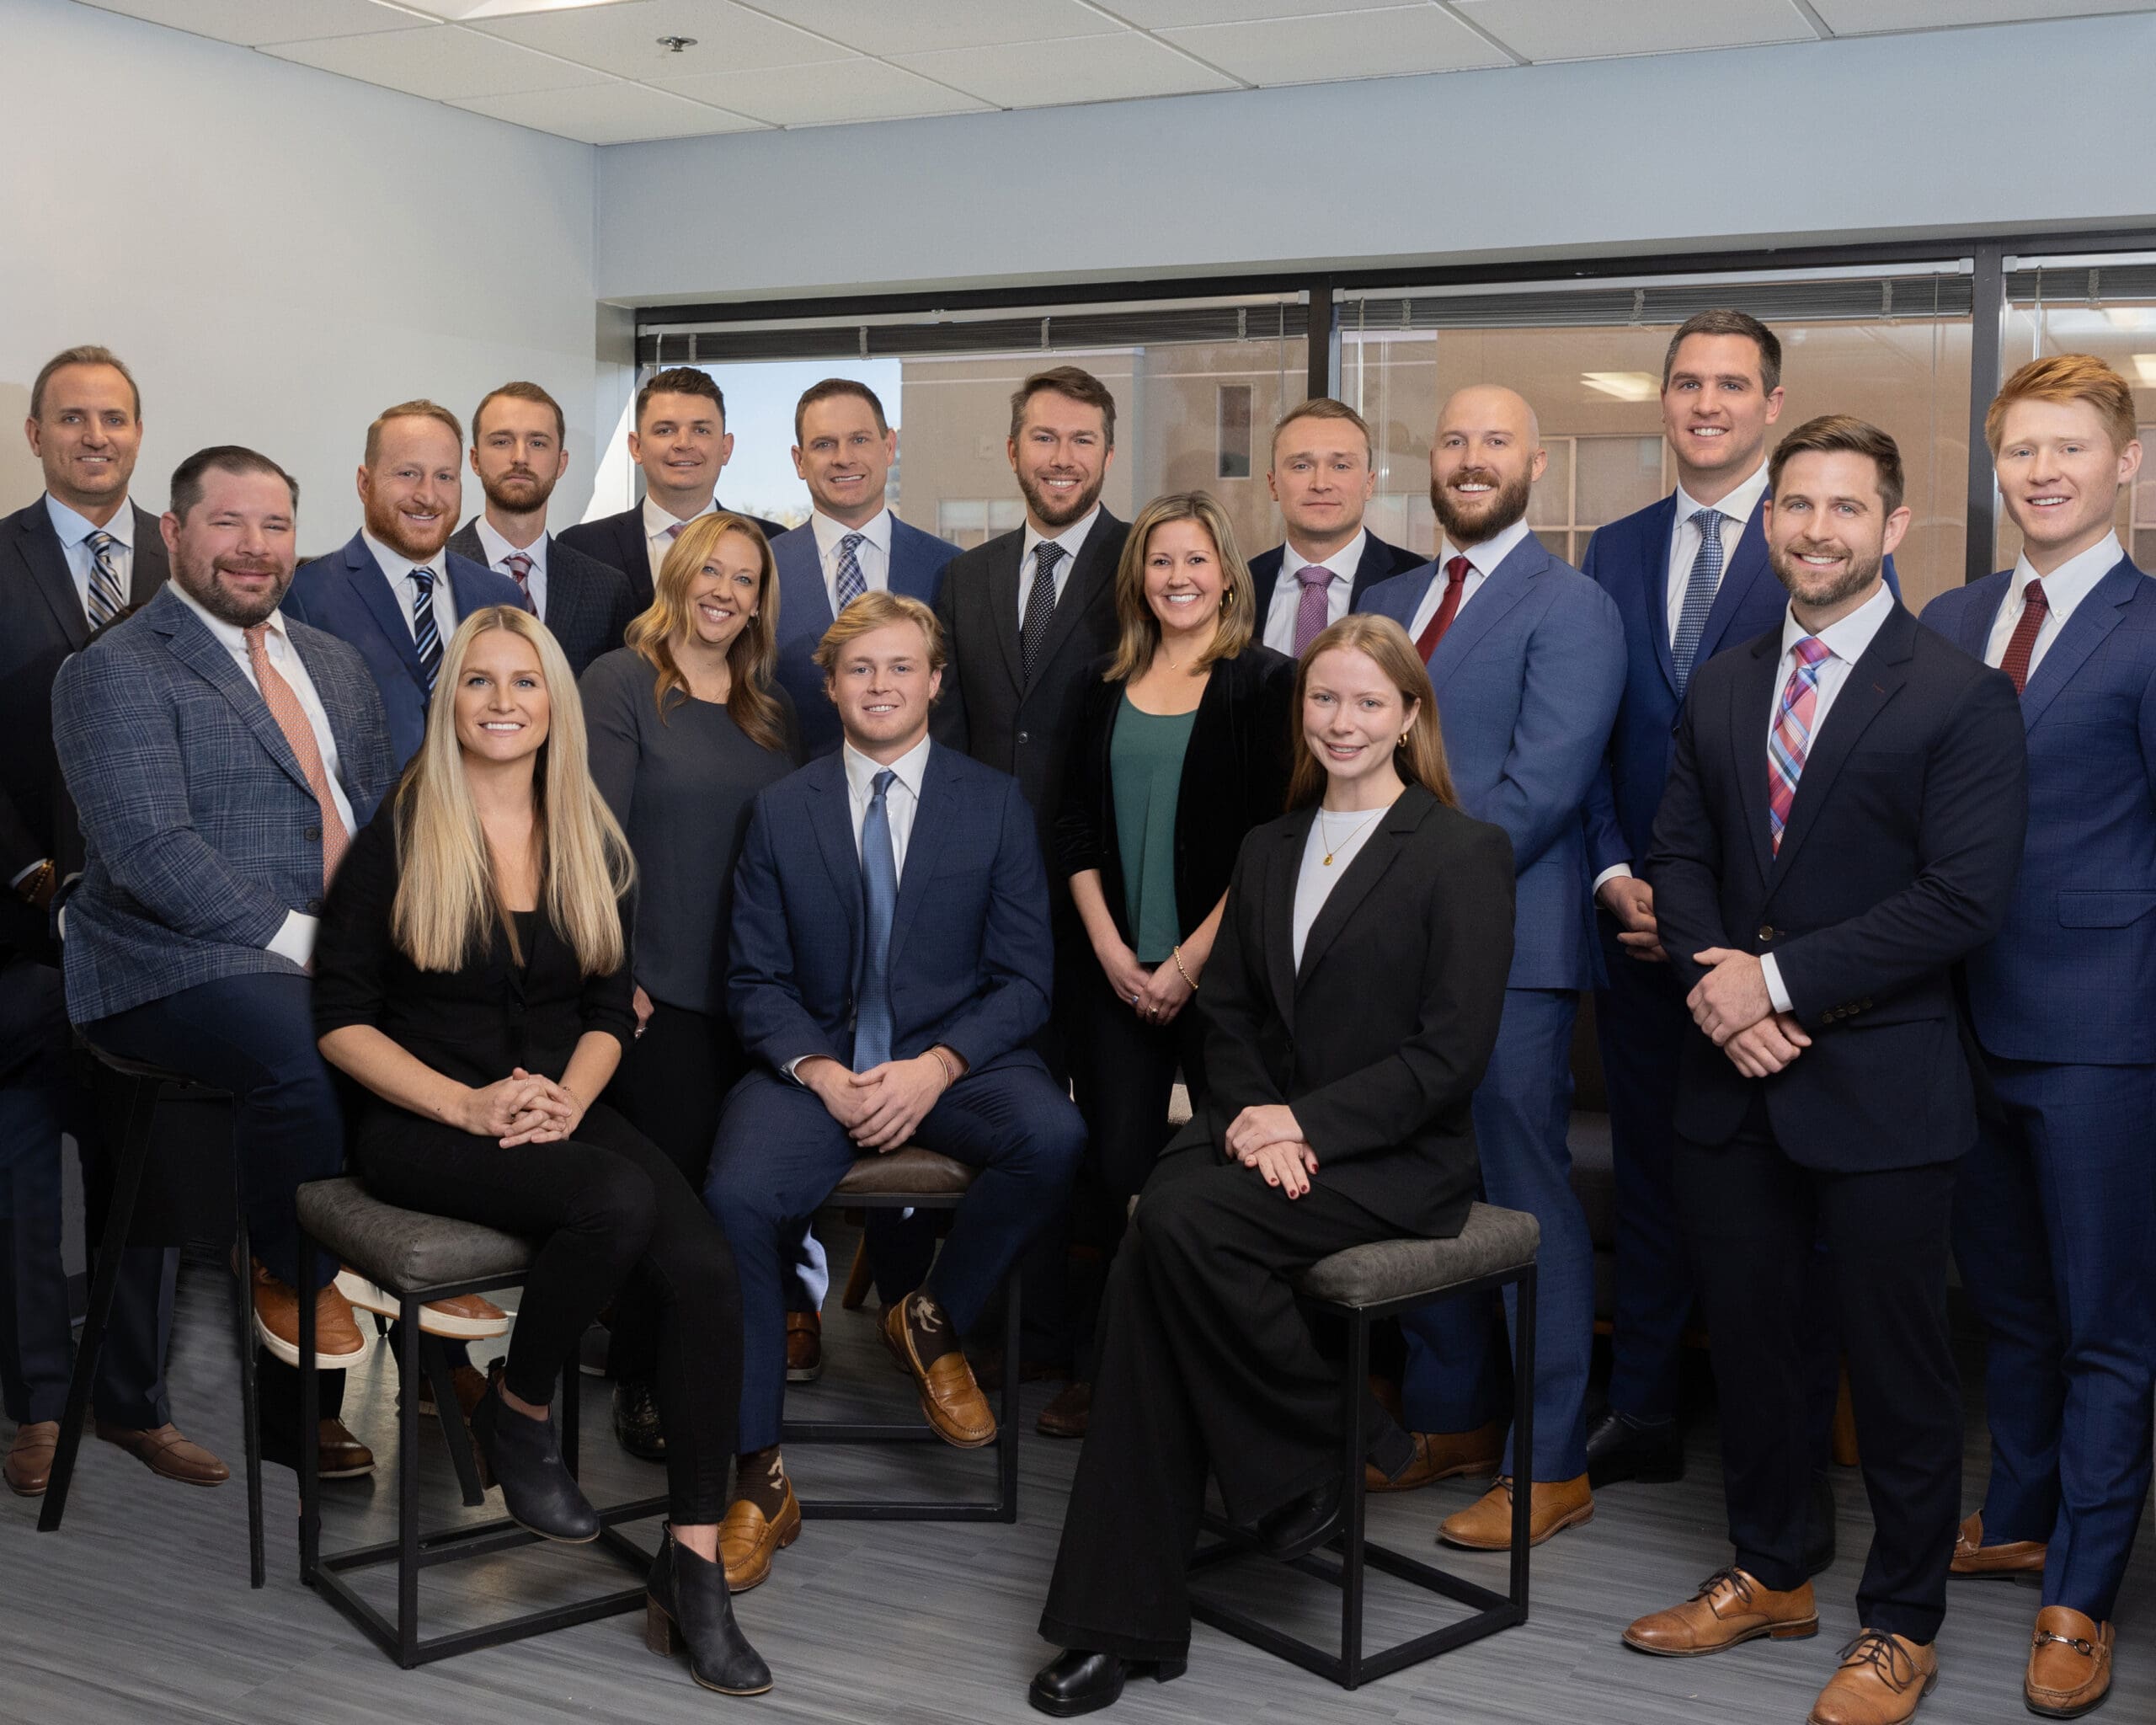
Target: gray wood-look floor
<point x="139" y="1609"/>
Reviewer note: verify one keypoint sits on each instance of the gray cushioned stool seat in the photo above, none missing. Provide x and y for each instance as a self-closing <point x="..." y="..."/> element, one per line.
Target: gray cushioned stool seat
<point x="403" y="1250"/>
<point x="909" y="1169"/>
<point x="1493" y="1241"/>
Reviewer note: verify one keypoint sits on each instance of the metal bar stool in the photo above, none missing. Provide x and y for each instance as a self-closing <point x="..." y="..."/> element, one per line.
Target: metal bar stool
<point x="1496" y="1249"/>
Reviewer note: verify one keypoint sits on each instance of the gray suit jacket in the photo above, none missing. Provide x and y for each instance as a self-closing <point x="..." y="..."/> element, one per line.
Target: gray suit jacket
<point x="589" y="606"/>
<point x="200" y="829"/>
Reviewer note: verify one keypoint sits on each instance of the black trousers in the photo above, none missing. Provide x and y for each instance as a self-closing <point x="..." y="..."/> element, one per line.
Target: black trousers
<point x="1206" y="1363"/>
<point x="610" y="1212"/>
<point x="1753" y="1218"/>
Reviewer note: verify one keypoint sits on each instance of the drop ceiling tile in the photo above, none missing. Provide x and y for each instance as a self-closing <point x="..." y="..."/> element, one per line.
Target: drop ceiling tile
<point x="618" y="113"/>
<point x="253" y="24"/>
<point x="623" y="38"/>
<point x="1854" y="17"/>
<point x="1345" y="45"/>
<point x="1176" y="14"/>
<point x="890" y="27"/>
<point x="1593" y="29"/>
<point x="1081" y="69"/>
<point x="825" y="95"/>
<point x="440" y="61"/>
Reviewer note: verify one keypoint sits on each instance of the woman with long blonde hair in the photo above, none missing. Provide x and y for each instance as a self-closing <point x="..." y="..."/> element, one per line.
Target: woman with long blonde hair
<point x="473" y="976"/>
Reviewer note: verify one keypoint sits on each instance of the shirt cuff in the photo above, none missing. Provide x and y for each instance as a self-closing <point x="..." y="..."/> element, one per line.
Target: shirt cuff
<point x="294" y="938"/>
<point x="1615" y="871"/>
<point x="1776" y="992"/>
<point x="24" y="874"/>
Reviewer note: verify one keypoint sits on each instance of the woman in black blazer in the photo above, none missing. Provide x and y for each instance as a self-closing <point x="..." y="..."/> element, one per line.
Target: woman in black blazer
<point x="1353" y="1002"/>
<point x="1179" y="748"/>
<point x="472" y="975"/>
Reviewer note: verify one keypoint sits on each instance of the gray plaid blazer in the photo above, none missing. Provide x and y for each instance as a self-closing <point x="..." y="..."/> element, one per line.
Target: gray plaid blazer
<point x="200" y="832"/>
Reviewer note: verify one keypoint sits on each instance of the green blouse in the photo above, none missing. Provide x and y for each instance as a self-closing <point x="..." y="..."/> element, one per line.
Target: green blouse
<point x="1145" y="767"/>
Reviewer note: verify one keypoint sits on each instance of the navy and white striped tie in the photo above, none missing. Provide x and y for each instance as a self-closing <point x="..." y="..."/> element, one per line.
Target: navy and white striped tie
<point x="851" y="583"/>
<point x="424" y="635"/>
<point x="108" y="598"/>
<point x="1700" y="590"/>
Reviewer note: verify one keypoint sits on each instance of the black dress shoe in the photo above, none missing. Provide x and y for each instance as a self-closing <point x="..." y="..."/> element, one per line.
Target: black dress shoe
<point x="1077" y="1682"/>
<point x="1299" y="1526"/>
<point x="539" y="1491"/>
<point x="1819" y="1525"/>
<point x="636" y="1420"/>
<point x="1620" y="1448"/>
<point x="688" y="1600"/>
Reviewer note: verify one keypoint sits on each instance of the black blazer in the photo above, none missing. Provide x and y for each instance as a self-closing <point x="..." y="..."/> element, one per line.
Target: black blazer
<point x="1377" y="1039"/>
<point x="475" y="1023"/>
<point x="41" y="621"/>
<point x="988" y="710"/>
<point x="1380" y="562"/>
<point x="588" y="603"/>
<point x="619" y="542"/>
<point x="1896" y="862"/>
<point x="1235" y="777"/>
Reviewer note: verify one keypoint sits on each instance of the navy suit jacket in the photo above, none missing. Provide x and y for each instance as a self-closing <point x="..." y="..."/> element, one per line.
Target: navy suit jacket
<point x="1527" y="679"/>
<point x="1380" y="562"/>
<point x="619" y="542"/>
<point x="346" y="595"/>
<point x="804" y="612"/>
<point x="2072" y="976"/>
<point x="971" y="960"/>
<point x="1897" y="860"/>
<point x="588" y="605"/>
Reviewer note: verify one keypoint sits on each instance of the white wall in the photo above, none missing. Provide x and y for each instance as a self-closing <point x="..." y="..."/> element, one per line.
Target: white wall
<point x="278" y="253"/>
<point x="1868" y="138"/>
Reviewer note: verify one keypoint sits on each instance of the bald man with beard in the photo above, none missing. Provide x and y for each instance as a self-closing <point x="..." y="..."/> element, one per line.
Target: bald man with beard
<point x="1527" y="658"/>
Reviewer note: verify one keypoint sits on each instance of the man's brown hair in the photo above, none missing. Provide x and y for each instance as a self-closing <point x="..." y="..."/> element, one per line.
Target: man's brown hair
<point x="1069" y="380"/>
<point x="522" y="391"/>
<point x="1726" y="320"/>
<point x="419" y="408"/>
<point x="829" y="389"/>
<point x="1842" y="434"/>
<point x="187" y="486"/>
<point x="680" y="379"/>
<point x="2067" y="377"/>
<point x="86" y="355"/>
<point x="1323" y="407"/>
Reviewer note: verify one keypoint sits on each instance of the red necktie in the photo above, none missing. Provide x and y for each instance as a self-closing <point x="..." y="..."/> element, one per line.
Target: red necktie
<point x="520" y="569"/>
<point x="2023" y="641"/>
<point x="1447" y="608"/>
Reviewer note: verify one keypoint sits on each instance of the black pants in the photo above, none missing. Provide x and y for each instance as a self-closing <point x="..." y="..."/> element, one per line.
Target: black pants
<point x="1207" y="1363"/>
<point x="610" y="1212"/>
<point x="1754" y="1217"/>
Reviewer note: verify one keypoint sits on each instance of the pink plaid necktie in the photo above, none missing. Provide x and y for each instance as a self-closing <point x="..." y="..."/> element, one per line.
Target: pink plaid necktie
<point x="1791" y="737"/>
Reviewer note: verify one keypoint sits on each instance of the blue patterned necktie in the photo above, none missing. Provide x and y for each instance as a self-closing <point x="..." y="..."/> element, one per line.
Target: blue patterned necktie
<point x="851" y="583"/>
<point x="880" y="893"/>
<point x="424" y="635"/>
<point x="108" y="598"/>
<point x="1700" y="588"/>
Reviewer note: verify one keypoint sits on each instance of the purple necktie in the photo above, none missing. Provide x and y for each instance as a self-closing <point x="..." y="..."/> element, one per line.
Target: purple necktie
<point x="1311" y="609"/>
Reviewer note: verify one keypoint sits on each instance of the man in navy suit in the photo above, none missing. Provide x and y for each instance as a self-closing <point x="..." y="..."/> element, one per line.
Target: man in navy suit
<point x="1322" y="478"/>
<point x="681" y="443"/>
<point x="518" y="454"/>
<point x="1843" y="823"/>
<point x="2054" y="1223"/>
<point x="395" y="591"/>
<point x="1526" y="658"/>
<point x="851" y="544"/>
<point x="891" y="958"/>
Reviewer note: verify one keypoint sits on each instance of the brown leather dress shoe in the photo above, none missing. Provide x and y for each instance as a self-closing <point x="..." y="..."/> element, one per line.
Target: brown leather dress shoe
<point x="1068" y="1410"/>
<point x="950" y="1400"/>
<point x="338" y="1454"/>
<point x="469" y="1382"/>
<point x="469" y="1317"/>
<point x="338" y="1340"/>
<point x="747" y="1542"/>
<point x="2069" y="1664"/>
<point x="1487" y="1523"/>
<point x="167" y="1454"/>
<point x="805" y="1347"/>
<point x="1975" y="1560"/>
<point x="29" y="1457"/>
<point x="1439" y="1455"/>
<point x="1731" y="1608"/>
<point x="1881" y="1680"/>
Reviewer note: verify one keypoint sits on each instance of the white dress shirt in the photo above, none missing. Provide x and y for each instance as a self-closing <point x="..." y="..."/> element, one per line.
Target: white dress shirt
<point x="396" y="568"/>
<point x="1288" y="591"/>
<point x="1845" y="642"/>
<point x="1736" y="512"/>
<point x="498" y="552"/>
<point x="874" y="553"/>
<point x="1072" y="539"/>
<point x="75" y="531"/>
<point x="1482" y="561"/>
<point x="659" y="535"/>
<point x="1341" y="837"/>
<point x="2064" y="589"/>
<point x="295" y="936"/>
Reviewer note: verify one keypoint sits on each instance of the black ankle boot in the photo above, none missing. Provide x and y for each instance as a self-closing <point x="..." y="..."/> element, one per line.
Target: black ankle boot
<point x="538" y="1489"/>
<point x="1076" y="1681"/>
<point x="686" y="1600"/>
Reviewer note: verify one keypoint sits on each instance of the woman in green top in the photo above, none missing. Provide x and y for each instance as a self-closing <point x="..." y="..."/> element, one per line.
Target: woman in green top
<point x="1177" y="752"/>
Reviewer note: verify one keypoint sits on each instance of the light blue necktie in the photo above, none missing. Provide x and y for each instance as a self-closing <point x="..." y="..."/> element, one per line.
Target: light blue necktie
<point x="880" y="893"/>
<point x="851" y="583"/>
<point x="1700" y="588"/>
<point x="425" y="635"/>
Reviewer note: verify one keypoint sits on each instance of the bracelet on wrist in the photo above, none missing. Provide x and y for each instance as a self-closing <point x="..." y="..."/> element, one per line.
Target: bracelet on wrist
<point x="1176" y="954"/>
<point x="950" y="1077"/>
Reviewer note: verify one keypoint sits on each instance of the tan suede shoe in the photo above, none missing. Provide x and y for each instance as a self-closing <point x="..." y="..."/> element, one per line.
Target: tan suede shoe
<point x="1439" y="1455"/>
<point x="1731" y="1608"/>
<point x="1975" y="1560"/>
<point x="950" y="1400"/>
<point x="747" y="1542"/>
<point x="29" y="1457"/>
<point x="1882" y="1678"/>
<point x="1486" y="1525"/>
<point x="2069" y="1664"/>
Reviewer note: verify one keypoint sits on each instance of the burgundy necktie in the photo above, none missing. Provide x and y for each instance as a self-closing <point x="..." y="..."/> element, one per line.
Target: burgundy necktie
<point x="2023" y="641"/>
<point x="1456" y="570"/>
<point x="520" y="567"/>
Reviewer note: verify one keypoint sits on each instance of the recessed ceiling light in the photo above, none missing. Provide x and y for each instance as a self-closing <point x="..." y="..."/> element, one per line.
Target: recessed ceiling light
<point x="463" y="11"/>
<point x="1624" y="386"/>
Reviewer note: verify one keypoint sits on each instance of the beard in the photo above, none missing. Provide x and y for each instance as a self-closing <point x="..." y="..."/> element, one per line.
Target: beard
<point x="202" y="579"/>
<point x="388" y="525"/>
<point x="1061" y="515"/>
<point x="530" y="492"/>
<point x="1808" y="588"/>
<point x="1473" y="523"/>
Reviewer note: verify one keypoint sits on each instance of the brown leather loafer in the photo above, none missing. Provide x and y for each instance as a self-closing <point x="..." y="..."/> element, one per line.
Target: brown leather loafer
<point x="469" y="1382"/>
<point x="747" y="1542"/>
<point x="29" y="1457"/>
<point x="951" y="1401"/>
<point x="1881" y="1680"/>
<point x="1731" y="1608"/>
<point x="805" y="1347"/>
<point x="338" y="1454"/>
<point x="1439" y="1455"/>
<point x="1486" y="1525"/>
<point x="1975" y="1560"/>
<point x="1068" y="1413"/>
<point x="338" y="1340"/>
<point x="2069" y="1664"/>
<point x="167" y="1454"/>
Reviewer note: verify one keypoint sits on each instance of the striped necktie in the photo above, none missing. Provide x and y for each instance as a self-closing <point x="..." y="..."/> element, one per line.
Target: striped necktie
<point x="1700" y="590"/>
<point x="851" y="583"/>
<point x="519" y="566"/>
<point x="1791" y="738"/>
<point x="108" y="598"/>
<point x="424" y="635"/>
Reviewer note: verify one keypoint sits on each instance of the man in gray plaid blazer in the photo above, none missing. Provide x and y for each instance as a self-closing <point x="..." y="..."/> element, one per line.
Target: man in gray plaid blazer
<point x="220" y="756"/>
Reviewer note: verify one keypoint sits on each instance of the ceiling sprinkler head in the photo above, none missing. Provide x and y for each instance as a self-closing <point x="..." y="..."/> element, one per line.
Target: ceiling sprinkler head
<point x="674" y="44"/>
